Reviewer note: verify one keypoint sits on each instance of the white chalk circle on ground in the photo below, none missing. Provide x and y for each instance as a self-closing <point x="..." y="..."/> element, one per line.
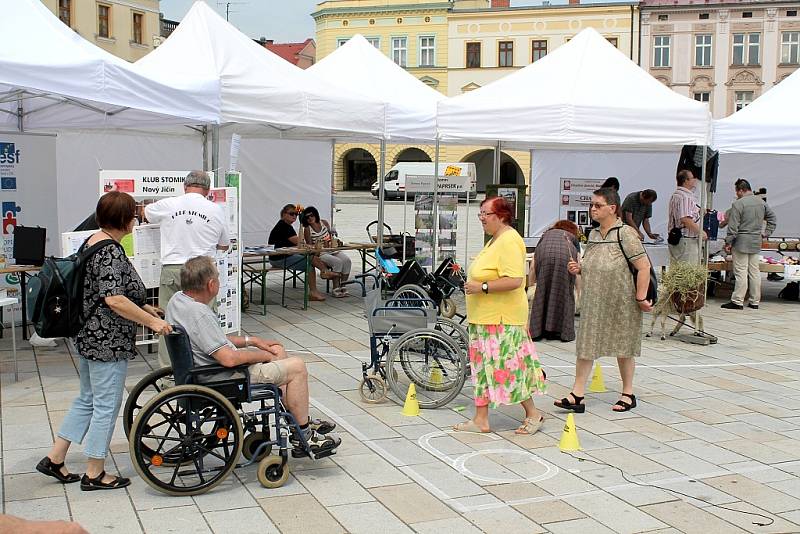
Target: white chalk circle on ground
<point x="459" y="463"/>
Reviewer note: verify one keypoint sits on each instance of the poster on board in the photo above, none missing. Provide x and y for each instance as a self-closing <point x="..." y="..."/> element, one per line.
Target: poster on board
<point x="575" y="195"/>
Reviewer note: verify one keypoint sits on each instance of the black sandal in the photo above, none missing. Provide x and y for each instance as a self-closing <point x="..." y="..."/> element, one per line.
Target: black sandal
<point x="47" y="467"/>
<point x="626" y="406"/>
<point x="566" y="404"/>
<point x="92" y="484"/>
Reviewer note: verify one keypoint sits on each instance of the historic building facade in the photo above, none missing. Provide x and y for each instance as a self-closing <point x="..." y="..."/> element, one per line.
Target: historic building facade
<point x="721" y="52"/>
<point x="128" y="29"/>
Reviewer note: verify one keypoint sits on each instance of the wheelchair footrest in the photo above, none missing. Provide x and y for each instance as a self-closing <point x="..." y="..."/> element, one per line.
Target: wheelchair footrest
<point x="321" y="454"/>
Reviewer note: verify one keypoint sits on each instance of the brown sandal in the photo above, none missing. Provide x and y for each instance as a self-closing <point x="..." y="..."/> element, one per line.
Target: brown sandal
<point x="530" y="426"/>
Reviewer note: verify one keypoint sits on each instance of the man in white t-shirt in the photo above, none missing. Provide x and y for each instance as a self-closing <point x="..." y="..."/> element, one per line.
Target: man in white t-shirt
<point x="191" y="225"/>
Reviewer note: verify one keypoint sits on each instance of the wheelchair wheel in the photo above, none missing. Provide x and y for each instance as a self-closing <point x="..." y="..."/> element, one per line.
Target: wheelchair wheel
<point x="272" y="473"/>
<point x="372" y="389"/>
<point x="413" y="292"/>
<point x="447" y="308"/>
<point x="455" y="331"/>
<point x="430" y="360"/>
<point x="147" y="388"/>
<point x="194" y="423"/>
<point x="251" y="444"/>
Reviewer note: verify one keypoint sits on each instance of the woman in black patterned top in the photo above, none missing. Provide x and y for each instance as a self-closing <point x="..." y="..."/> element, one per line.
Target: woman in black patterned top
<point x="114" y="303"/>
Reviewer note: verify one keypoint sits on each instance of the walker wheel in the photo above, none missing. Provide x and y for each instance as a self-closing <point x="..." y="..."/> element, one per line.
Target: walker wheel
<point x="372" y="389"/>
<point x="447" y="308"/>
<point x="272" y="473"/>
<point x="251" y="443"/>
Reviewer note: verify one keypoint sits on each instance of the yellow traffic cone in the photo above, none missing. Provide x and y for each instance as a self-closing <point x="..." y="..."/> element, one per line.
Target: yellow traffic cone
<point x="597" y="385"/>
<point x="569" y="438"/>
<point x="411" y="406"/>
<point x="437" y="379"/>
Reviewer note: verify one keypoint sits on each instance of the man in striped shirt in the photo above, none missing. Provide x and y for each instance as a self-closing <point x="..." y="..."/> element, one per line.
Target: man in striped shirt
<point x="684" y="213"/>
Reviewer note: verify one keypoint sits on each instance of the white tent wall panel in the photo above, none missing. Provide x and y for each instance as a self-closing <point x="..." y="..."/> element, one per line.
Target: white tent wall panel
<point x="275" y="173"/>
<point x="778" y="173"/>
<point x="81" y="156"/>
<point x="635" y="170"/>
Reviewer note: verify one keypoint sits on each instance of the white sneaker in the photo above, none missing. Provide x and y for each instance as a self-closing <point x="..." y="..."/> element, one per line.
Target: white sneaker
<point x="38" y="341"/>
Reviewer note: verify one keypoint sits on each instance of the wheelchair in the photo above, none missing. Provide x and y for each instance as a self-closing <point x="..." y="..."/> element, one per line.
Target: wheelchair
<point x="406" y="348"/>
<point x="187" y="438"/>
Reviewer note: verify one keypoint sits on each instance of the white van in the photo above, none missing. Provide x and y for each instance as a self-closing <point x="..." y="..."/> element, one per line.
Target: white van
<point x="395" y="181"/>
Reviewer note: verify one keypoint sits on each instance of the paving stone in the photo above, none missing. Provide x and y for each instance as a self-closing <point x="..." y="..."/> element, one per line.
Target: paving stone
<point x="502" y="521"/>
<point x="755" y="493"/>
<point x="578" y="525"/>
<point x="459" y="525"/>
<point x="689" y="519"/>
<point x="25" y="486"/>
<point x="615" y="513"/>
<point x="300" y="514"/>
<point x="332" y="486"/>
<point x="366" y="517"/>
<point x="779" y="525"/>
<point x="370" y="470"/>
<point x="44" y="509"/>
<point x="183" y="519"/>
<point x="240" y="521"/>
<point x="412" y="504"/>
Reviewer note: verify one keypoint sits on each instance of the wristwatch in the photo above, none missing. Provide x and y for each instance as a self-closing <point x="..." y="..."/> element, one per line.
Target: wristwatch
<point x="485" y="287"/>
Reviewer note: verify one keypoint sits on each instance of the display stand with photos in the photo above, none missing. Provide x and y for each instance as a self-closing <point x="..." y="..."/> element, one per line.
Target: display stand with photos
<point x="436" y="215"/>
<point x="515" y="195"/>
<point x="575" y="196"/>
<point x="143" y="245"/>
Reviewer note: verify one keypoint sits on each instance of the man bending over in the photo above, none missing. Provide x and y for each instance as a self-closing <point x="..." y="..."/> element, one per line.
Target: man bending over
<point x="267" y="360"/>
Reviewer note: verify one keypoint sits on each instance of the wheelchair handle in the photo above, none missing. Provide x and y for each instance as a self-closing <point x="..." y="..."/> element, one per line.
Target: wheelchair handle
<point x="395" y="308"/>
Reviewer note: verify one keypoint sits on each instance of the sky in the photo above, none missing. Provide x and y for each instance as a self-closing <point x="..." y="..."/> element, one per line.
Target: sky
<point x="281" y="20"/>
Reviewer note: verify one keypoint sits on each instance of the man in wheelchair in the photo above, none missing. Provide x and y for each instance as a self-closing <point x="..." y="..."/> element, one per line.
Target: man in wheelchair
<point x="267" y="359"/>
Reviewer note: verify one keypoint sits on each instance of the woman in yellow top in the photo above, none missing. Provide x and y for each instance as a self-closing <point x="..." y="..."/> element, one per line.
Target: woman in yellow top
<point x="505" y="367"/>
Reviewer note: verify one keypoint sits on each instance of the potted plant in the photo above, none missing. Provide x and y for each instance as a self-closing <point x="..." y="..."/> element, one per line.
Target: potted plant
<point x="684" y="285"/>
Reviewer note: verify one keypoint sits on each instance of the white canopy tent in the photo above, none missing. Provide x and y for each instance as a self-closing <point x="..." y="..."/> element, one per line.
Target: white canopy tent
<point x="770" y="125"/>
<point x="260" y="92"/>
<point x="51" y="77"/>
<point x="410" y="104"/>
<point x="585" y="92"/>
<point x="762" y="144"/>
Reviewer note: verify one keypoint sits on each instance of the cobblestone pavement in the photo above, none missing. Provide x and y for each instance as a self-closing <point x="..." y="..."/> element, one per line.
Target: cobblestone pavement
<point x="715" y="435"/>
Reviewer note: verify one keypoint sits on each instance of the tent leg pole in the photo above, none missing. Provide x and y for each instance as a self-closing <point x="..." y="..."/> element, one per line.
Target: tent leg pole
<point x="496" y="166"/>
<point x="204" y="135"/>
<point x="381" y="192"/>
<point x="435" y="205"/>
<point x="703" y="242"/>
<point x="20" y="116"/>
<point x="215" y="153"/>
<point x="333" y="183"/>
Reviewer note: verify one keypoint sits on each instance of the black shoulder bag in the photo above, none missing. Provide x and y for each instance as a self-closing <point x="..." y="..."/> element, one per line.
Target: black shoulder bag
<point x="652" y="288"/>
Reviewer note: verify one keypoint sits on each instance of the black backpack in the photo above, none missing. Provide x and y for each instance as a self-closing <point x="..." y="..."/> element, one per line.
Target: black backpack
<point x="55" y="295"/>
<point x="790" y="292"/>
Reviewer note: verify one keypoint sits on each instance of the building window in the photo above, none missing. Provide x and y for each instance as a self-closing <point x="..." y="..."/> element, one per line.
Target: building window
<point x="662" y="18"/>
<point x="505" y="54"/>
<point x="746" y="48"/>
<point x="747" y="15"/>
<point x="65" y="11"/>
<point x="702" y="50"/>
<point x="661" y="47"/>
<point x="612" y="40"/>
<point x="138" y="28"/>
<point x="340" y="42"/>
<point x="742" y="99"/>
<point x="790" y="47"/>
<point x="538" y="50"/>
<point x="703" y="96"/>
<point x="791" y="13"/>
<point x="427" y="51"/>
<point x="703" y="16"/>
<point x="400" y="51"/>
<point x="473" y="55"/>
<point x="103" y="19"/>
<point x="375" y="41"/>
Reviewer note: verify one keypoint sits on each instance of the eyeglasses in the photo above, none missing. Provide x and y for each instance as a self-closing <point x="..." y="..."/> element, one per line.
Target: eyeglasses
<point x="597" y="205"/>
<point x="483" y="215"/>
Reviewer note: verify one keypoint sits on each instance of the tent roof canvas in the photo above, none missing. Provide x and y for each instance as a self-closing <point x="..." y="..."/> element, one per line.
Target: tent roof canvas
<point x="770" y="125"/>
<point x="257" y="87"/>
<point x="411" y="104"/>
<point x="585" y="92"/>
<point x="60" y="80"/>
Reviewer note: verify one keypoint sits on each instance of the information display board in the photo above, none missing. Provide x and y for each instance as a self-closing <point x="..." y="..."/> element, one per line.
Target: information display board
<point x="575" y="195"/>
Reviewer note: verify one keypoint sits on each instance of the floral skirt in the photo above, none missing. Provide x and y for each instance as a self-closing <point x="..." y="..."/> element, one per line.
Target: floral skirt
<point x="504" y="364"/>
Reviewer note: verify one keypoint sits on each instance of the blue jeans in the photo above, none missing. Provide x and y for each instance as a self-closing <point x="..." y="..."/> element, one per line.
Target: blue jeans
<point x="293" y="262"/>
<point x="94" y="412"/>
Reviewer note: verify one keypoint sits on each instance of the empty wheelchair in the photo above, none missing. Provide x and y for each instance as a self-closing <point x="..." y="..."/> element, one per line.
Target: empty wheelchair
<point x="187" y="438"/>
<point x="405" y="349"/>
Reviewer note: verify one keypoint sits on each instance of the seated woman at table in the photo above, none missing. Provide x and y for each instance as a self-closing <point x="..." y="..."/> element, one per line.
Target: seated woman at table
<point x="318" y="231"/>
<point x="284" y="235"/>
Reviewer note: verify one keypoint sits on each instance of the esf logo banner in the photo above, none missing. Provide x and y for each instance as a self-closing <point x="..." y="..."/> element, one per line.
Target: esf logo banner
<point x="9" y="154"/>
